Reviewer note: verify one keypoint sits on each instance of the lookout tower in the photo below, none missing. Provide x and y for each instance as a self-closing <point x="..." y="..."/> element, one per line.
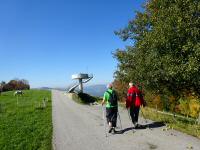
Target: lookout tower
<point x="82" y="78"/>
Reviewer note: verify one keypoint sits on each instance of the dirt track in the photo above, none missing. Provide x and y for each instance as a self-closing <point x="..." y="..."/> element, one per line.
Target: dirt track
<point x="80" y="127"/>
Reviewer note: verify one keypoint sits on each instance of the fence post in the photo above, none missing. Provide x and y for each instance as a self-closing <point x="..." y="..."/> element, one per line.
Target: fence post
<point x="199" y="119"/>
<point x="44" y="103"/>
<point x="17" y="100"/>
<point x="1" y="88"/>
<point x="157" y="111"/>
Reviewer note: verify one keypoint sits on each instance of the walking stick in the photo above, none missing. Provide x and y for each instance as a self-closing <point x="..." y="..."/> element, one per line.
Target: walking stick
<point x="120" y="120"/>
<point x="104" y="120"/>
<point x="145" y="118"/>
<point x="128" y="111"/>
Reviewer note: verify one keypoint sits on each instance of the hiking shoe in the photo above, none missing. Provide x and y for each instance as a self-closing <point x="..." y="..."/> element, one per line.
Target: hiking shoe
<point x="110" y="130"/>
<point x="135" y="125"/>
<point x="138" y="126"/>
<point x="114" y="131"/>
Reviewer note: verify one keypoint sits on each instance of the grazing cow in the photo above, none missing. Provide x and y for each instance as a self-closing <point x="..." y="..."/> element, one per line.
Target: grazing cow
<point x="16" y="93"/>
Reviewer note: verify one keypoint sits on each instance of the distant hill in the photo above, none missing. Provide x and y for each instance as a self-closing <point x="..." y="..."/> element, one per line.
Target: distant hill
<point x="49" y="88"/>
<point x="43" y="88"/>
<point x="95" y="90"/>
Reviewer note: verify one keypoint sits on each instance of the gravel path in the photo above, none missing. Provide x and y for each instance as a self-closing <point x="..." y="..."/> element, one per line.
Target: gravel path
<point x="81" y="127"/>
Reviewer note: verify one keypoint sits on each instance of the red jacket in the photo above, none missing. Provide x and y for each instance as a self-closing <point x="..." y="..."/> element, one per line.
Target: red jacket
<point x="134" y="97"/>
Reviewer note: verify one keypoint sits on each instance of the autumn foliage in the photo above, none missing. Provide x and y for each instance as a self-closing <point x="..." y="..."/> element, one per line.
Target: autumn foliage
<point x="15" y="84"/>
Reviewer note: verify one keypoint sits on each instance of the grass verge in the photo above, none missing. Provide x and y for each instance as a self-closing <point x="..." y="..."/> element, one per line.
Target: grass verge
<point x="180" y="124"/>
<point x="26" y="121"/>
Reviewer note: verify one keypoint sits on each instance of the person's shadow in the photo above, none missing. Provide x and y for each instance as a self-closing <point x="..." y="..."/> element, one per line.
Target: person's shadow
<point x="140" y="127"/>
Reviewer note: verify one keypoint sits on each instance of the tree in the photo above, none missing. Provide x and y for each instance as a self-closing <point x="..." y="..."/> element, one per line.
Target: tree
<point x="15" y="84"/>
<point x="165" y="56"/>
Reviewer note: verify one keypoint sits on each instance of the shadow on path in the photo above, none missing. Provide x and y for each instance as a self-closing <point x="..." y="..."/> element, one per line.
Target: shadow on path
<point x="150" y="126"/>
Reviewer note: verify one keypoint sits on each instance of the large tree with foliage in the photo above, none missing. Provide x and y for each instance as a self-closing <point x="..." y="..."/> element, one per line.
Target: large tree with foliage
<point x="165" y="55"/>
<point x="15" y="84"/>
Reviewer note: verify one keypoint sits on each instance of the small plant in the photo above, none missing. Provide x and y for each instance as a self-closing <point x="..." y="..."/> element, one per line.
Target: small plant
<point x="1" y="109"/>
<point x="43" y="104"/>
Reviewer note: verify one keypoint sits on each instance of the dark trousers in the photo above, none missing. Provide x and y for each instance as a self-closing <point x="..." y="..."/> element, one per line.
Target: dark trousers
<point x="111" y="115"/>
<point x="134" y="113"/>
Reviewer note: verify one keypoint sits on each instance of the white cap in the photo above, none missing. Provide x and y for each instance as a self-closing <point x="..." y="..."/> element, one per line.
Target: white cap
<point x="131" y="84"/>
<point x="109" y="86"/>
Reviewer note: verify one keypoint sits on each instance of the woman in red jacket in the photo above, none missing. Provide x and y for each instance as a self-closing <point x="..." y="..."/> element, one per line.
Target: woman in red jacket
<point x="133" y="102"/>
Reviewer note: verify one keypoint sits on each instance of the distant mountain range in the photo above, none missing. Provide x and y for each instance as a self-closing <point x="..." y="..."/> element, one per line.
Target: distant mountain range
<point x="94" y="90"/>
<point x="45" y="88"/>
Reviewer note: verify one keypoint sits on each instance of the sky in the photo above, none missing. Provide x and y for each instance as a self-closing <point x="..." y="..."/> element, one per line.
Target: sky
<point x="46" y="41"/>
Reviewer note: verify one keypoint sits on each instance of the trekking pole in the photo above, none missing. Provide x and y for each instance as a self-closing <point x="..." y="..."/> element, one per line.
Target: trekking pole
<point x="104" y="120"/>
<point x="128" y="111"/>
<point x="144" y="118"/>
<point x="120" y="120"/>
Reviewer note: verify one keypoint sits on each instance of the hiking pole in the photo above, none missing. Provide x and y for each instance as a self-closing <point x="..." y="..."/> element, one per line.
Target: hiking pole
<point x="144" y="118"/>
<point x="128" y="111"/>
<point x="120" y="120"/>
<point x="104" y="120"/>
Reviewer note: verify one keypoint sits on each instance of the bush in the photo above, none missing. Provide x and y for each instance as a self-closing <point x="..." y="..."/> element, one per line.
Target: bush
<point x="86" y="98"/>
<point x="189" y="106"/>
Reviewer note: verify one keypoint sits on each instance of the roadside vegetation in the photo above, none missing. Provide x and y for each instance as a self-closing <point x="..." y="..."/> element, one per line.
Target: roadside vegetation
<point x="26" y="121"/>
<point x="186" y="125"/>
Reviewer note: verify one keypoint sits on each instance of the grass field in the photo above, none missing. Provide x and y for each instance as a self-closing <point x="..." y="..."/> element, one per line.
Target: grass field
<point x="26" y="121"/>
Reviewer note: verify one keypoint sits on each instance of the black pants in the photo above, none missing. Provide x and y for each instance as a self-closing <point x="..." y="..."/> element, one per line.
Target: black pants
<point x="111" y="115"/>
<point x="134" y="113"/>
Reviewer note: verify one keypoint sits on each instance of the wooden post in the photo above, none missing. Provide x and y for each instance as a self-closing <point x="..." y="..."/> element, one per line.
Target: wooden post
<point x="0" y="89"/>
<point x="157" y="110"/>
<point x="199" y="119"/>
<point x="44" y="103"/>
<point x="17" y="99"/>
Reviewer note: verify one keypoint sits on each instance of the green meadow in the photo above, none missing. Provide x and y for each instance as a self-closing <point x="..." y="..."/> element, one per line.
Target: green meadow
<point x="26" y="121"/>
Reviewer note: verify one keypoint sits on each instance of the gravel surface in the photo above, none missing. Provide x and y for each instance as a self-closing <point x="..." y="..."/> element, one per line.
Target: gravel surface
<point x="81" y="127"/>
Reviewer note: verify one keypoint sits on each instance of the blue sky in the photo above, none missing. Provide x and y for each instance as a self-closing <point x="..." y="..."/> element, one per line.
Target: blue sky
<point x="46" y="41"/>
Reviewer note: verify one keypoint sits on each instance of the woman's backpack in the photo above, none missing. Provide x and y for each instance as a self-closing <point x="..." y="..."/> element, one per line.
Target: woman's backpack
<point x="112" y="98"/>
